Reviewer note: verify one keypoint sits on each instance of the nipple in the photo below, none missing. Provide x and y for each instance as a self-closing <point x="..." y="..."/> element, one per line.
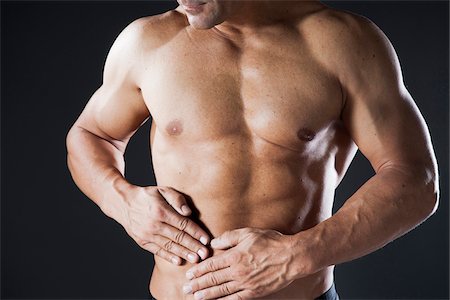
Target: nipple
<point x="306" y="135"/>
<point x="175" y="127"/>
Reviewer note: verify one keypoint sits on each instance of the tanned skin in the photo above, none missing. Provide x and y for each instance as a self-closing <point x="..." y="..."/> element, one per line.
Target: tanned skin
<point x="257" y="110"/>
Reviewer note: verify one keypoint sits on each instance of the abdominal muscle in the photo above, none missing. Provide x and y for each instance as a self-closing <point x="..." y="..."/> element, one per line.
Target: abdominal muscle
<point x="229" y="187"/>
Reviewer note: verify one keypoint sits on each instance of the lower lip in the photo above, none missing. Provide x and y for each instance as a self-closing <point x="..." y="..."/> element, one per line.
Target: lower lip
<point x="194" y="9"/>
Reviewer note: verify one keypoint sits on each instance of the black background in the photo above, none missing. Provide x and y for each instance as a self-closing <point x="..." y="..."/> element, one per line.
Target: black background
<point x="56" y="243"/>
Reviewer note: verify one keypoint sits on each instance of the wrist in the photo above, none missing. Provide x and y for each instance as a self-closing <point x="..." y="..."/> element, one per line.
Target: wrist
<point x="306" y="252"/>
<point x="115" y="202"/>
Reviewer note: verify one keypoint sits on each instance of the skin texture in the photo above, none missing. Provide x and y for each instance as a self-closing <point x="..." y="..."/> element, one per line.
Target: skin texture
<point x="255" y="121"/>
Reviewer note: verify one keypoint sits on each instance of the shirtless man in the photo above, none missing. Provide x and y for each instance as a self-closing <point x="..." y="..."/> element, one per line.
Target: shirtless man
<point x="257" y="108"/>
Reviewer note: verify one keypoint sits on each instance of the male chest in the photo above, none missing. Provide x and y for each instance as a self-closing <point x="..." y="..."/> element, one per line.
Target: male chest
<point x="202" y="87"/>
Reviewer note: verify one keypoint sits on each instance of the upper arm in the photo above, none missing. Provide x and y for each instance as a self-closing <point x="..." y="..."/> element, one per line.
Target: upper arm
<point x="117" y="109"/>
<point x="379" y="112"/>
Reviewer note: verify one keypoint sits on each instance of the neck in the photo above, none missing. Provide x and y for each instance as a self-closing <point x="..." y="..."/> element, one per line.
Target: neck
<point x="247" y="16"/>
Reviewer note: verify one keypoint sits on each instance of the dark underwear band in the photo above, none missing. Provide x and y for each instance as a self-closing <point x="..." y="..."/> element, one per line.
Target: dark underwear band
<point x="331" y="294"/>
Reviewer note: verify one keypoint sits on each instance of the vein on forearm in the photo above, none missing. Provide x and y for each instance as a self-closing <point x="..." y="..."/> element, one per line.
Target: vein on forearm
<point x="391" y="203"/>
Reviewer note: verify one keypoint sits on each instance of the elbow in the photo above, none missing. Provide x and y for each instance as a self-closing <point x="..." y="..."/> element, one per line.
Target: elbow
<point x="432" y="200"/>
<point x="69" y="138"/>
<point x="419" y="188"/>
<point x="429" y="193"/>
<point x="71" y="141"/>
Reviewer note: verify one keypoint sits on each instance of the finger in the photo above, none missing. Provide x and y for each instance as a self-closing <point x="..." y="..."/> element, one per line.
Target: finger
<point x="207" y="281"/>
<point x="158" y="251"/>
<point x="215" y="292"/>
<point x="184" y="239"/>
<point x="209" y="265"/>
<point x="176" y="200"/>
<point x="187" y="225"/>
<point x="173" y="248"/>
<point x="228" y="239"/>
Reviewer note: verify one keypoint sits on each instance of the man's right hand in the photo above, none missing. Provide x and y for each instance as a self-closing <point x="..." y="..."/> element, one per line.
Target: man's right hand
<point x="157" y="219"/>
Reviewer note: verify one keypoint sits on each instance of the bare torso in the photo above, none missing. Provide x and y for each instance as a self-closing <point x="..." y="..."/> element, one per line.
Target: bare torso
<point x="255" y="121"/>
<point x="249" y="130"/>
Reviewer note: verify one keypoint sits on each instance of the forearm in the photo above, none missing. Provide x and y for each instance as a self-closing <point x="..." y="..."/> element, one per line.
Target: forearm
<point x="390" y="204"/>
<point x="97" y="168"/>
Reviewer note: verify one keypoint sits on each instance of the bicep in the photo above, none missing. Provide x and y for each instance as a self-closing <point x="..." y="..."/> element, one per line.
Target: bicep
<point x="117" y="109"/>
<point x="389" y="130"/>
<point x="379" y="112"/>
<point x="114" y="114"/>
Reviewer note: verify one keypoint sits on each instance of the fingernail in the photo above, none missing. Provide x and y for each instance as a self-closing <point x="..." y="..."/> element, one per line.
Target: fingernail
<point x="185" y="209"/>
<point x="204" y="240"/>
<point x="215" y="243"/>
<point x="191" y="257"/>
<point x="187" y="289"/>
<point x="202" y="253"/>
<point x="174" y="260"/>
<point x="199" y="295"/>
<point x="189" y="275"/>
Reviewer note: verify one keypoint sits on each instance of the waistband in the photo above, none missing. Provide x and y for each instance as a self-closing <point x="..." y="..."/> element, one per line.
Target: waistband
<point x="331" y="294"/>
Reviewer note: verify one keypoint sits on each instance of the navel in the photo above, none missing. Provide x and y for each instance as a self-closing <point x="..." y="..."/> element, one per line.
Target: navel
<point x="174" y="127"/>
<point x="306" y="134"/>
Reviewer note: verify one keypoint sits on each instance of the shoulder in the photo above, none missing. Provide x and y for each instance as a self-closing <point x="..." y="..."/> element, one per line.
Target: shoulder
<point x="340" y="38"/>
<point x="153" y="31"/>
<point x="352" y="48"/>
<point x="137" y="40"/>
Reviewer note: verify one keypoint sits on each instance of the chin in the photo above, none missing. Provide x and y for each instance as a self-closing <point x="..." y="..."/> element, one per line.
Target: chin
<point x="201" y="23"/>
<point x="207" y="18"/>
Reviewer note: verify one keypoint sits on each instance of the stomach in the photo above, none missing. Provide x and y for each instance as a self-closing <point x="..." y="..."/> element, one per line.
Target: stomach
<point x="229" y="186"/>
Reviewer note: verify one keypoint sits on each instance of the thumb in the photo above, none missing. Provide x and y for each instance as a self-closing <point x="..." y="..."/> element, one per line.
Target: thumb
<point x="176" y="200"/>
<point x="227" y="239"/>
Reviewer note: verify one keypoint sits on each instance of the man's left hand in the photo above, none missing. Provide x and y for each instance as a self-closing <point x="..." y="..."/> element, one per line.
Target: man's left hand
<point x="257" y="263"/>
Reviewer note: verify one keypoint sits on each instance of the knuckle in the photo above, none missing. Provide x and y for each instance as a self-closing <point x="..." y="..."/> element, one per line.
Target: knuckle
<point x="145" y="233"/>
<point x="153" y="226"/>
<point x="240" y="272"/>
<point x="158" y="252"/>
<point x="179" y="237"/>
<point x="256" y="291"/>
<point x="158" y="212"/>
<point x="225" y="289"/>
<point x="210" y="265"/>
<point x="168" y="245"/>
<point x="213" y="280"/>
<point x="235" y="257"/>
<point x="183" y="223"/>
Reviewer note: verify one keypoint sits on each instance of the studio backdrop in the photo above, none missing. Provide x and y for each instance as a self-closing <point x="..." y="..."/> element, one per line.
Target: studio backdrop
<point x="56" y="243"/>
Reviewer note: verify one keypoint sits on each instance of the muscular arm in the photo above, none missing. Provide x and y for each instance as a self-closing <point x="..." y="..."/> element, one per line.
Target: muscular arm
<point x="389" y="130"/>
<point x="97" y="141"/>
<point x="155" y="217"/>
